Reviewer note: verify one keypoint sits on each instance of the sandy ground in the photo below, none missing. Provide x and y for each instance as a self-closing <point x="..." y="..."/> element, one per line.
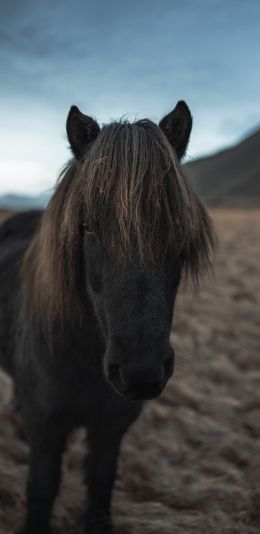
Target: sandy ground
<point x="191" y="463"/>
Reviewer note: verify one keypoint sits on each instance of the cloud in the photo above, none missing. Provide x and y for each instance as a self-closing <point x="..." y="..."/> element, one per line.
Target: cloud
<point x="119" y="57"/>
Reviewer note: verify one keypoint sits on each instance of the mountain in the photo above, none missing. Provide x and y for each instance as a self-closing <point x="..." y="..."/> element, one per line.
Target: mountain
<point x="12" y="201"/>
<point x="231" y="176"/>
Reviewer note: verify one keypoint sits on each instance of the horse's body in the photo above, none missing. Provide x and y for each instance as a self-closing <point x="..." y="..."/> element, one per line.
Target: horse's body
<point x="15" y="235"/>
<point x="82" y="332"/>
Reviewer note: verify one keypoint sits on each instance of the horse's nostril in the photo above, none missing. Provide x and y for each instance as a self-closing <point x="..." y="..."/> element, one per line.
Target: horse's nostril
<point x="122" y="378"/>
<point x="113" y="372"/>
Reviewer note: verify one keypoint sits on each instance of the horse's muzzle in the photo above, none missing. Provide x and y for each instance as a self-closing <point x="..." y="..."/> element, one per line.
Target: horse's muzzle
<point x="148" y="386"/>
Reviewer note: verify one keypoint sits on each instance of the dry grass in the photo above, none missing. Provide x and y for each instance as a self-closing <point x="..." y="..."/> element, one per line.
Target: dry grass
<point x="191" y="463"/>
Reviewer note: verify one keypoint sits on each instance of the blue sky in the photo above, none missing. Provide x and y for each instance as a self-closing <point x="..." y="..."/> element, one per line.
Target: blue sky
<point x="114" y="58"/>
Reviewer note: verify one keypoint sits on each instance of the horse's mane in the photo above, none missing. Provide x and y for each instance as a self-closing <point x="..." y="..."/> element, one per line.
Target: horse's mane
<point x="128" y="189"/>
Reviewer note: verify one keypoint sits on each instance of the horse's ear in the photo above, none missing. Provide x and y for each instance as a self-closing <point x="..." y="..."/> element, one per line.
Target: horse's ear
<point x="177" y="127"/>
<point x="81" y="129"/>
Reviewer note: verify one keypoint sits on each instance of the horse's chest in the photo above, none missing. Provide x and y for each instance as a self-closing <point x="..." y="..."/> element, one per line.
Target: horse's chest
<point x="79" y="389"/>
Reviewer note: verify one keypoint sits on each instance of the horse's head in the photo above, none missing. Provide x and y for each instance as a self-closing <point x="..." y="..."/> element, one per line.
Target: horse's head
<point x="133" y="255"/>
<point x="120" y="230"/>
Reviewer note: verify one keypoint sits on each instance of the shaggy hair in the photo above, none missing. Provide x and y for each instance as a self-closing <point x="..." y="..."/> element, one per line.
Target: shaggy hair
<point x="128" y="190"/>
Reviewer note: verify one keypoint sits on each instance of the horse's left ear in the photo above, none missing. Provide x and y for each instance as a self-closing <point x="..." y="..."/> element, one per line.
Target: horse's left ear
<point x="177" y="127"/>
<point x="81" y="130"/>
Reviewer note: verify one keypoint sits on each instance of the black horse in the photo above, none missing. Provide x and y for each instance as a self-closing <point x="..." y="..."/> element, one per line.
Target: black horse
<point x="87" y="291"/>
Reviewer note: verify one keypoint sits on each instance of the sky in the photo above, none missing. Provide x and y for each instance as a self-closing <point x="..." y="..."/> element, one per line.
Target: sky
<point x="117" y="58"/>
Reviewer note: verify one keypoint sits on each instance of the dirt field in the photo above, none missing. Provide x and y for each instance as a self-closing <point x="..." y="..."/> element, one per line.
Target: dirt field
<point x="191" y="463"/>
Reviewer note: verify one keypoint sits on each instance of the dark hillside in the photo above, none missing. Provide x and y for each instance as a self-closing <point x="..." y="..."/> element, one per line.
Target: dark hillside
<point x="229" y="176"/>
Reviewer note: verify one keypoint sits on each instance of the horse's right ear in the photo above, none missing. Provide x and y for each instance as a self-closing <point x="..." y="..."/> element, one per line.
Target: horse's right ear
<point x="81" y="130"/>
<point x="177" y="127"/>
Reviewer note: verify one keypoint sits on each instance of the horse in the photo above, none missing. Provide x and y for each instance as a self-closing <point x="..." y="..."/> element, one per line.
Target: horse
<point x="87" y="293"/>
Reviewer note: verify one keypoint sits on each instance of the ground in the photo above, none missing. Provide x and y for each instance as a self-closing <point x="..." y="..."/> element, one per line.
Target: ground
<point x="191" y="463"/>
